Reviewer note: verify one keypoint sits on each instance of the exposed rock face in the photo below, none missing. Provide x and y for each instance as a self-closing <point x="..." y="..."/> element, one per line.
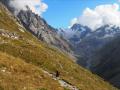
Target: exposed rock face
<point x="75" y="33"/>
<point x="79" y="33"/>
<point x="8" y="34"/>
<point x="39" y="27"/>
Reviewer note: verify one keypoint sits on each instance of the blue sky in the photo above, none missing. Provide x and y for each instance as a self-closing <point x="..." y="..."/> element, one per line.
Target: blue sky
<point x="61" y="12"/>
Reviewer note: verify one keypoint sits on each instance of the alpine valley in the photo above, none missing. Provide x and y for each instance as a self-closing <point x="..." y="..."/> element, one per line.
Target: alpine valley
<point x="36" y="56"/>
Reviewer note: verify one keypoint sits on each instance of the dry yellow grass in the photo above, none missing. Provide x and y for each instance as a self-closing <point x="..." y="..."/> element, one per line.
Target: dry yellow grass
<point x="28" y="55"/>
<point x="15" y="74"/>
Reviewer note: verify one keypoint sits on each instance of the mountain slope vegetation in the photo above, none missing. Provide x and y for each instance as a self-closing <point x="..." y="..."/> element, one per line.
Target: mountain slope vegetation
<point x="106" y="62"/>
<point x="15" y="74"/>
<point x="24" y="57"/>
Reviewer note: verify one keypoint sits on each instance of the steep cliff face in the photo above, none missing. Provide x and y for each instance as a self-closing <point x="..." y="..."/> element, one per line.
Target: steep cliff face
<point x="39" y="27"/>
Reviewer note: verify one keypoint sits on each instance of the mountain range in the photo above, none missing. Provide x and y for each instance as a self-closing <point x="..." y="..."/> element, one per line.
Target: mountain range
<point x="36" y="56"/>
<point x="94" y="49"/>
<point x="86" y="41"/>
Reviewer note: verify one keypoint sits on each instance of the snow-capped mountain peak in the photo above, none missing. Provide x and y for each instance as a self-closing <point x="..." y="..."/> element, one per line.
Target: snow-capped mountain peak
<point x="76" y="31"/>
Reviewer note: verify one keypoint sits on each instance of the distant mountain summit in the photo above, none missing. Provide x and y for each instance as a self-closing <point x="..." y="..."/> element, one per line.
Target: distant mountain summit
<point x="80" y="32"/>
<point x="107" y="31"/>
<point x="75" y="33"/>
<point x="30" y="62"/>
<point x="86" y="42"/>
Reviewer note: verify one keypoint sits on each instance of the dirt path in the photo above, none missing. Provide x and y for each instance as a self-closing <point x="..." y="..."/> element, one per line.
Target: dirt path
<point x="62" y="82"/>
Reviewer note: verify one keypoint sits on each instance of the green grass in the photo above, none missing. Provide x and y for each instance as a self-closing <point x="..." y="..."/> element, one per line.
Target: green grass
<point x="34" y="52"/>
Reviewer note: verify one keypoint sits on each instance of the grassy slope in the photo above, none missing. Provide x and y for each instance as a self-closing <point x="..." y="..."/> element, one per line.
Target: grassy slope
<point x="40" y="55"/>
<point x="15" y="74"/>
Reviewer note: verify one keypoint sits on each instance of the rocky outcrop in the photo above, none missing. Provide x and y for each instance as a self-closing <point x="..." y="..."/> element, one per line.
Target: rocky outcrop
<point x="39" y="27"/>
<point x="8" y="34"/>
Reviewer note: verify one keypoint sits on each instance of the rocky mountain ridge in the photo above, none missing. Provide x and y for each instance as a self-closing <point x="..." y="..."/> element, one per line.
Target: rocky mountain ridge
<point x="86" y="42"/>
<point x="40" y="28"/>
<point x="24" y="60"/>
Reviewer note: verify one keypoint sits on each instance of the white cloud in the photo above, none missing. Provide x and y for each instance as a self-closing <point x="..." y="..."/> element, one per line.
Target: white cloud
<point x="101" y="15"/>
<point x="73" y="21"/>
<point x="37" y="6"/>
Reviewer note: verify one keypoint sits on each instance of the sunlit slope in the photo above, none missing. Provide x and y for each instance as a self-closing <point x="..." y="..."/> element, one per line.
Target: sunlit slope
<point x="15" y="74"/>
<point x="19" y="44"/>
